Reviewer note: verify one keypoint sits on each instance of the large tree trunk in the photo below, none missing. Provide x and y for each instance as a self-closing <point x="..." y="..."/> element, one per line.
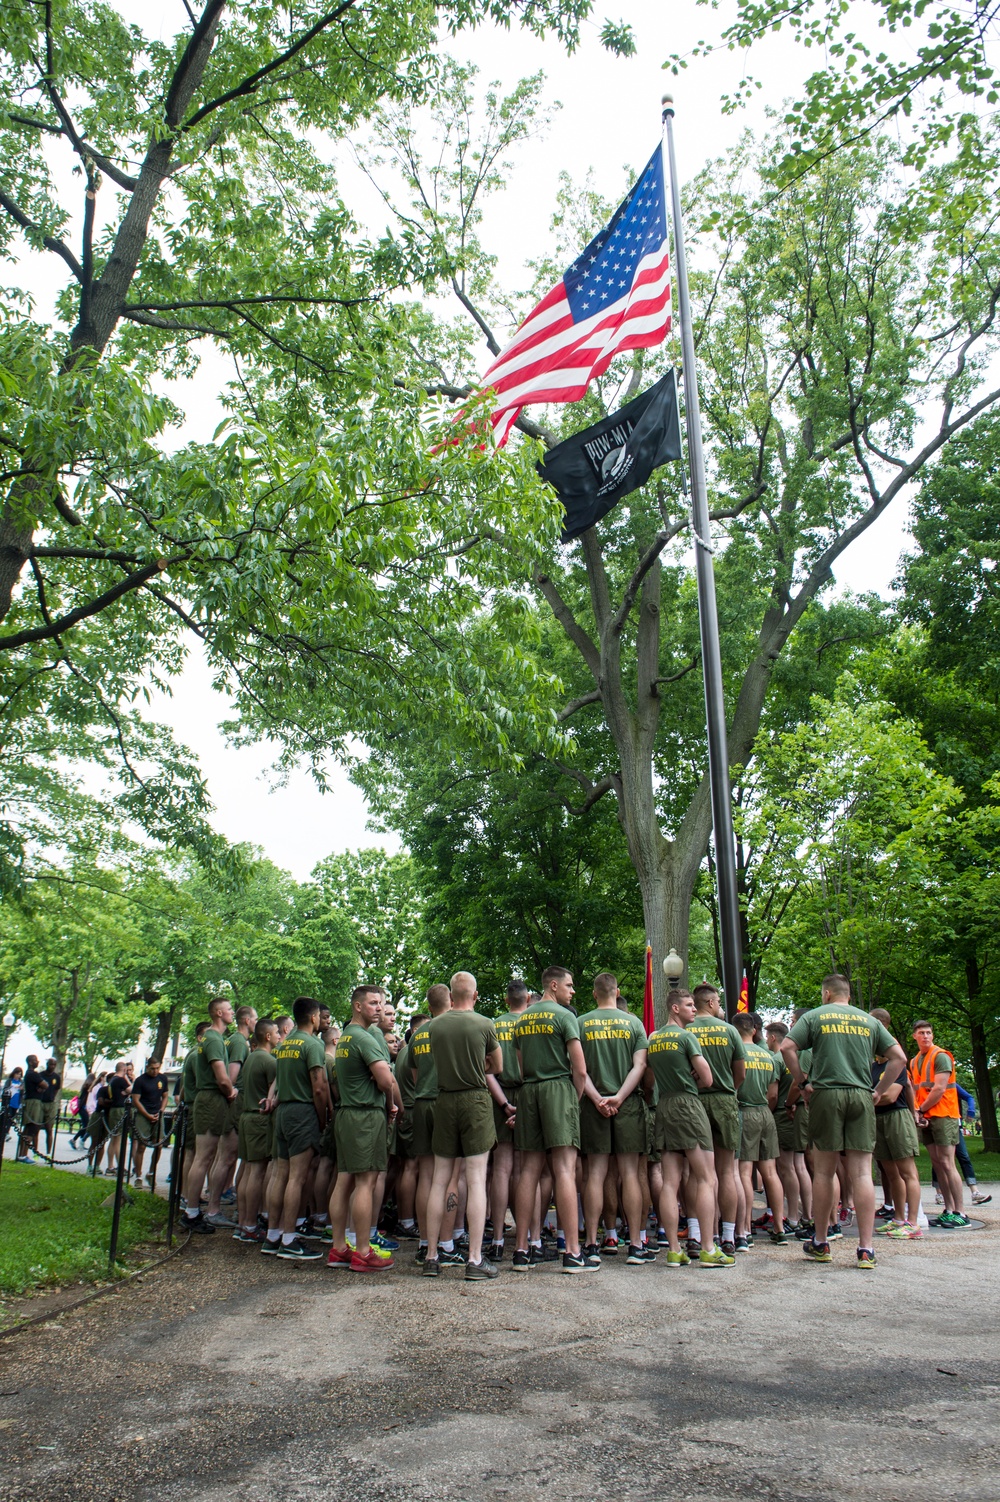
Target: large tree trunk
<point x="164" y="1026"/>
<point x="984" y="1088"/>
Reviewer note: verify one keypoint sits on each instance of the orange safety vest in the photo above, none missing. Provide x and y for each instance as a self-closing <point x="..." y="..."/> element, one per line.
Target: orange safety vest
<point x="922" y="1070"/>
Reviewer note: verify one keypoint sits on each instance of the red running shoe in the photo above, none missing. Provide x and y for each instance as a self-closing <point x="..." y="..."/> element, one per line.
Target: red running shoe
<point x="340" y="1258"/>
<point x="371" y="1262"/>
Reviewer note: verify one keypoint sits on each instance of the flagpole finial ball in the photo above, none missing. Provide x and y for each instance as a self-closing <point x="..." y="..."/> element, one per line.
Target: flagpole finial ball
<point x="668" y="99"/>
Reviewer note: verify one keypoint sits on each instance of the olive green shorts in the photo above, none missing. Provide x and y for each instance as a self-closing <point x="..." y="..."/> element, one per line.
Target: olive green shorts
<point x="34" y="1113"/>
<point x="50" y="1112"/>
<point x="145" y="1130"/>
<point x="362" y="1139"/>
<point x="116" y="1115"/>
<point x="296" y="1129"/>
<point x="724" y="1118"/>
<point x="213" y="1115"/>
<point x="255" y="1136"/>
<point x="842" y="1120"/>
<point x="463" y="1124"/>
<point x="758" y="1135"/>
<point x="803" y="1130"/>
<point x="504" y="1132"/>
<point x="784" y="1125"/>
<point x="548" y="1115"/>
<point x="895" y="1136"/>
<point x="328" y="1140"/>
<point x="403" y="1135"/>
<point x="941" y="1131"/>
<point x="624" y="1133"/>
<point x="682" y="1123"/>
<point x="423" y="1128"/>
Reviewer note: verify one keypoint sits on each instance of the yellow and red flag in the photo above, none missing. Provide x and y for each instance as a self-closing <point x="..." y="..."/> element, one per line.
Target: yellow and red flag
<point x="743" y="1005"/>
<point x="648" y="1020"/>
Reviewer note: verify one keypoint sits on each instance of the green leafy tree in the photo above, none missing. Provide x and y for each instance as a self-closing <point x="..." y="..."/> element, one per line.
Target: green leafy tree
<point x="379" y="896"/>
<point x="819" y="342"/>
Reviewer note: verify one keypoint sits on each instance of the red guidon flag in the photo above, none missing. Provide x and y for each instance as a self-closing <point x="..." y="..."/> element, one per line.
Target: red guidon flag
<point x="743" y="1005"/>
<point x="648" y="1020"/>
<point x="615" y="296"/>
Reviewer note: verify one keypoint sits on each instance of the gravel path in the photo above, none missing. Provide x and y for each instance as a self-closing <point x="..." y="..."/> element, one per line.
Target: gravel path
<point x="228" y="1375"/>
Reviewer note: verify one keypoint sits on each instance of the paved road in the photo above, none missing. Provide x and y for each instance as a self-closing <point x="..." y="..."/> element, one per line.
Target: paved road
<point x="228" y="1375"/>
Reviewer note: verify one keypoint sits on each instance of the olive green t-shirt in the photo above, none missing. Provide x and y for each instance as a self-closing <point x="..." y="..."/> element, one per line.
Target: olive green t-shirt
<point x="510" y="1073"/>
<point x="255" y="1078"/>
<point x="610" y="1037"/>
<point x="760" y="1075"/>
<point x="669" y="1053"/>
<point x="844" y="1041"/>
<point x="238" y="1050"/>
<point x="331" y="1076"/>
<point x="404" y="1078"/>
<point x="783" y="1075"/>
<point x="541" y="1034"/>
<point x="422" y="1060"/>
<point x="212" y="1047"/>
<point x="357" y="1050"/>
<point x="722" y="1046"/>
<point x="188" y="1079"/>
<point x="295" y="1056"/>
<point x="460" y="1041"/>
<point x="379" y="1035"/>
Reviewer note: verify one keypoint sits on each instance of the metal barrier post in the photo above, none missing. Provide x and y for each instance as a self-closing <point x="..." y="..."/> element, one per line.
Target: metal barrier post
<point x="123" y="1157"/>
<point x="176" y="1168"/>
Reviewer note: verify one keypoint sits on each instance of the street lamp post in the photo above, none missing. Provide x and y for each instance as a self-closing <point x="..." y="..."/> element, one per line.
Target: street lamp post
<point x="673" y="969"/>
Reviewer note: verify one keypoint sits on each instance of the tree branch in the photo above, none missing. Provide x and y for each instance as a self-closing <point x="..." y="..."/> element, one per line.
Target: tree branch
<point x="568" y="621"/>
<point x="250" y="84"/>
<point x="477" y="317"/>
<point x="594" y="697"/>
<point x="49" y="241"/>
<point x="95" y="606"/>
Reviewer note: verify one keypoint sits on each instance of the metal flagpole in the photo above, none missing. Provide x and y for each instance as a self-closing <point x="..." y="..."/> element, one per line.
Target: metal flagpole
<point x="711" y="658"/>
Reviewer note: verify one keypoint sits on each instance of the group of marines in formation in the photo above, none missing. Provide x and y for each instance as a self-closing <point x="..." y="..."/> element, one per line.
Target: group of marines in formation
<point x="470" y="1121"/>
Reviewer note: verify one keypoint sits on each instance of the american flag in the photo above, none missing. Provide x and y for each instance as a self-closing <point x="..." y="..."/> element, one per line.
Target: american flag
<point x="615" y="296"/>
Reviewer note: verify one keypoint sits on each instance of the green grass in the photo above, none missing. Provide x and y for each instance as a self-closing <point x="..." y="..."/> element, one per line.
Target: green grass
<point x="986" y="1165"/>
<point x="54" y="1231"/>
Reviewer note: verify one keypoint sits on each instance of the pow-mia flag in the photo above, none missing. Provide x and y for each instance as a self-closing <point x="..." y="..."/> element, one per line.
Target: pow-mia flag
<point x="594" y="469"/>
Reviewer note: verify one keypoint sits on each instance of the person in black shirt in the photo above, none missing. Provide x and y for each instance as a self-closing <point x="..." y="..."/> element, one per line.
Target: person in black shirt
<point x="33" y="1111"/>
<point x="896" y="1148"/>
<point x="119" y="1090"/>
<point x="50" y="1092"/>
<point x="149" y="1096"/>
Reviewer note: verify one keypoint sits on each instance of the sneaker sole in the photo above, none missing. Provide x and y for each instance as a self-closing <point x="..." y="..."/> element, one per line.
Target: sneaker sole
<point x="520" y="1268"/>
<point x="569" y="1271"/>
<point x="298" y="1257"/>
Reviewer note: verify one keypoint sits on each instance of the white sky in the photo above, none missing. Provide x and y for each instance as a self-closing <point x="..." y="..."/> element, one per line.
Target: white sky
<point x="609" y="120"/>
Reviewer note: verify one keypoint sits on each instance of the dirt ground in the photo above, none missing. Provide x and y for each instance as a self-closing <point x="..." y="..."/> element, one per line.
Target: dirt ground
<point x="228" y="1375"/>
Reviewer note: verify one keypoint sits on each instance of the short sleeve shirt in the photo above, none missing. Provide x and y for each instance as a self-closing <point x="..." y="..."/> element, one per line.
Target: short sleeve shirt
<point x="379" y="1037"/>
<point x="151" y="1091"/>
<point x="422" y="1060"/>
<point x="783" y="1075"/>
<point x="188" y="1076"/>
<point x="610" y="1037"/>
<point x="294" y="1057"/>
<point x="542" y="1034"/>
<point x="357" y="1051"/>
<point x="510" y="1071"/>
<point x="722" y="1046"/>
<point x="211" y="1049"/>
<point x="119" y="1090"/>
<point x="255" y="1078"/>
<point x="669" y="1054"/>
<point x="33" y="1085"/>
<point x="760" y="1075"/>
<point x="238" y="1050"/>
<point x="844" y="1042"/>
<point x="460" y="1041"/>
<point x="50" y="1087"/>
<point x="404" y="1079"/>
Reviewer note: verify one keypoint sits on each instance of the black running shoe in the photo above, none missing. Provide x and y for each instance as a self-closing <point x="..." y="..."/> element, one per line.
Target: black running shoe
<point x="571" y="1264"/>
<point x="728" y="1249"/>
<point x="199" y="1226"/>
<point x="639" y="1256"/>
<point x="742" y="1243"/>
<point x="805" y="1230"/>
<point x="450" y="1259"/>
<point x="521" y="1262"/>
<point x="591" y="1255"/>
<point x="834" y="1233"/>
<point x="297" y="1251"/>
<point x="777" y="1238"/>
<point x="494" y="1252"/>
<point x="542" y="1253"/>
<point x="421" y="1254"/>
<point x="693" y="1248"/>
<point x="270" y="1248"/>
